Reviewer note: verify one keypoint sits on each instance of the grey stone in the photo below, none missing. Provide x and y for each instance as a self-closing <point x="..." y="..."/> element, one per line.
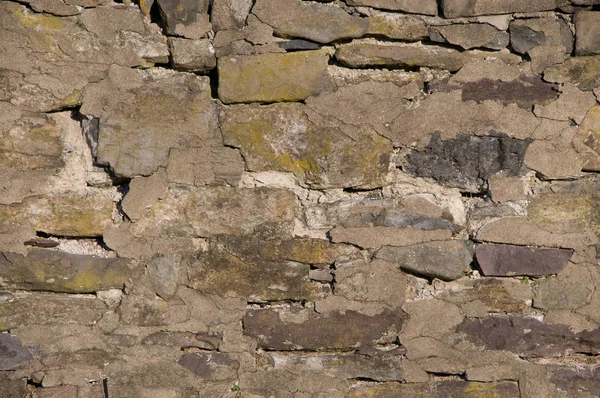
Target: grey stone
<point x="470" y="36"/>
<point x="298" y="44"/>
<point x="505" y="260"/>
<point x="316" y="22"/>
<point x="12" y="352"/>
<point x="466" y="161"/>
<point x="444" y="260"/>
<point x="210" y="366"/>
<point x="143" y="193"/>
<point x="320" y="275"/>
<point x="192" y="55"/>
<point x="186" y="18"/>
<point x="469" y="8"/>
<point x="524" y="91"/>
<point x="580" y="71"/>
<point x="573" y="381"/>
<point x="139" y="310"/>
<point x="427" y="7"/>
<point x="284" y="329"/>
<point x="397" y="26"/>
<point x="164" y="272"/>
<point x="230" y="14"/>
<point x="587" y="31"/>
<point x="207" y="165"/>
<point x="375" y="237"/>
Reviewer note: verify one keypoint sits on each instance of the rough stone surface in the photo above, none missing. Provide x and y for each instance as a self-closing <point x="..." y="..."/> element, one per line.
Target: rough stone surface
<point x="207" y="165"/>
<point x="283" y="137"/>
<point x="583" y="72"/>
<point x="12" y="353"/>
<point x="230" y="14"/>
<point x="440" y="389"/>
<point x="368" y="54"/>
<point x="63" y="272"/>
<point x="145" y="113"/>
<point x="272" y="77"/>
<point x="506" y="188"/>
<point x="397" y="26"/>
<point x="316" y="22"/>
<point x="185" y="17"/>
<point x="192" y="55"/>
<point x="375" y="237"/>
<point x="444" y="260"/>
<point x="466" y="161"/>
<point x="505" y="260"/>
<point x="466" y="8"/>
<point x="470" y="36"/>
<point x="427" y="7"/>
<point x="335" y="329"/>
<point x="587" y="31"/>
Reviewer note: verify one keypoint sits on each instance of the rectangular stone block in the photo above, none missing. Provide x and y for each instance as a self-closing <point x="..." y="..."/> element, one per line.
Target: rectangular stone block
<point x="506" y="260"/>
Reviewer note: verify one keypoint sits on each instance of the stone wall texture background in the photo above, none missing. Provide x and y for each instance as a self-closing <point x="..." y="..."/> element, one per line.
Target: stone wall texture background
<point x="289" y="198"/>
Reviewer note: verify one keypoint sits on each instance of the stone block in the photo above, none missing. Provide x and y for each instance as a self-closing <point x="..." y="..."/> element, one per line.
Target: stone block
<point x="587" y="28"/>
<point x="505" y="260"/>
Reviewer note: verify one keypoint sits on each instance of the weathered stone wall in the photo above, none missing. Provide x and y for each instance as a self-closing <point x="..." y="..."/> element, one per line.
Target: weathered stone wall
<point x="288" y="198"/>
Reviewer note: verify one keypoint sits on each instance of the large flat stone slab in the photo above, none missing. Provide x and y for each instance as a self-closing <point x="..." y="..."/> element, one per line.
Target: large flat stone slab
<point x="507" y="260"/>
<point x="469" y="8"/>
<point x="375" y="237"/>
<point x="303" y="329"/>
<point x="427" y="7"/>
<point x="587" y="28"/>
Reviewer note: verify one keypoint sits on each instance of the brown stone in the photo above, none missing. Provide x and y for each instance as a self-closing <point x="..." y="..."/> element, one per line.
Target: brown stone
<point x="151" y="311"/>
<point x="574" y="381"/>
<point x="444" y="260"/>
<point x="441" y="389"/>
<point x="211" y="366"/>
<point x="587" y="28"/>
<point x="286" y="329"/>
<point x="366" y="54"/>
<point x="208" y="165"/>
<point x="317" y="252"/>
<point x="573" y="104"/>
<point x="57" y="392"/>
<point x="12" y="352"/>
<point x="583" y="72"/>
<point x="186" y="18"/>
<point x="192" y="55"/>
<point x="470" y="36"/>
<point x="468" y="8"/>
<point x="397" y="26"/>
<point x="523" y="91"/>
<point x="272" y="77"/>
<point x="312" y="21"/>
<point x="427" y="7"/>
<point x="375" y="237"/>
<point x="506" y="260"/>
<point x="64" y="272"/>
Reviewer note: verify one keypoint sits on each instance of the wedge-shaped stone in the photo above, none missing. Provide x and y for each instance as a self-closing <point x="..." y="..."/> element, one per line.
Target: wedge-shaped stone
<point x="145" y="113"/>
<point x="285" y="329"/>
<point x="447" y="114"/>
<point x="470" y="36"/>
<point x="528" y="337"/>
<point x="369" y="54"/>
<point x="64" y="272"/>
<point x="427" y="7"/>
<point x="47" y="309"/>
<point x="441" y="389"/>
<point x="272" y="77"/>
<point x="317" y="22"/>
<point x="444" y="260"/>
<point x="211" y="211"/>
<point x="506" y="260"/>
<point x="583" y="72"/>
<point x="469" y="8"/>
<point x="375" y="237"/>
<point x="47" y="61"/>
<point x="321" y="153"/>
<point x="238" y="270"/>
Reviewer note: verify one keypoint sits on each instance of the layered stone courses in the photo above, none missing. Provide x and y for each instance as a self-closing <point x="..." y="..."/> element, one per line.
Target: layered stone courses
<point x="290" y="198"/>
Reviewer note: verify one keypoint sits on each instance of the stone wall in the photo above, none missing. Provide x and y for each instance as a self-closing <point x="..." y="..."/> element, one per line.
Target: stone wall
<point x="288" y="198"/>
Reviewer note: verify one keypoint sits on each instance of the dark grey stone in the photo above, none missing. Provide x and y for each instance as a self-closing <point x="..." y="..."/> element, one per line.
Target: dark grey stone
<point x="524" y="92"/>
<point x="466" y="161"/>
<point x="508" y="260"/>
<point x="523" y="39"/>
<point x="298" y="44"/>
<point x="209" y="365"/>
<point x="402" y="219"/>
<point x="12" y="353"/>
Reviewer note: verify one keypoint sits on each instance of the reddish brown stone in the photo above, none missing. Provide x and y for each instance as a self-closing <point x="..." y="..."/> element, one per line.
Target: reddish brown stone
<point x="209" y="365"/>
<point x="524" y="92"/>
<point x="507" y="260"/>
<point x="575" y="381"/>
<point x="304" y="329"/>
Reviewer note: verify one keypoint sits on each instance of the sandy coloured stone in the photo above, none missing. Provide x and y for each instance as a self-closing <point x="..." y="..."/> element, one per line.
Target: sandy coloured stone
<point x="272" y="77"/>
<point x="541" y="156"/>
<point x="292" y="138"/>
<point x="470" y="36"/>
<point x="144" y="113"/>
<point x="211" y="211"/>
<point x="397" y="26"/>
<point x="152" y="311"/>
<point x="587" y="30"/>
<point x="212" y="164"/>
<point x="284" y="329"/>
<point x="469" y="8"/>
<point x="55" y="271"/>
<point x="192" y="55"/>
<point x="316" y="252"/>
<point x="416" y="126"/>
<point x="583" y="72"/>
<point x="504" y="188"/>
<point x="368" y="54"/>
<point x="572" y="104"/>
<point x="430" y="317"/>
<point x="375" y="237"/>
<point x="143" y="193"/>
<point x="317" y="22"/>
<point x="444" y="260"/>
<point x="230" y="14"/>
<point x="210" y="366"/>
<point x="427" y="7"/>
<point x="188" y="18"/>
<point x="587" y="140"/>
<point x="506" y="260"/>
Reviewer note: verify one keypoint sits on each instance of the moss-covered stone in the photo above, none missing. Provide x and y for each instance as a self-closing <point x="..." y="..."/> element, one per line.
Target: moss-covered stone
<point x="64" y="272"/>
<point x="273" y="77"/>
<point x="584" y="72"/>
<point x="282" y="137"/>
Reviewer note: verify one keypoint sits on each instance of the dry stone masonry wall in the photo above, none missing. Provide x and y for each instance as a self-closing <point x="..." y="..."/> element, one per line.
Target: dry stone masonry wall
<point x="293" y="199"/>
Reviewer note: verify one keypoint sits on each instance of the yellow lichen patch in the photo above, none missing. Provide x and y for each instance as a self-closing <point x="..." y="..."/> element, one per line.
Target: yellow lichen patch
<point x="566" y="213"/>
<point x="39" y="21"/>
<point x="72" y="99"/>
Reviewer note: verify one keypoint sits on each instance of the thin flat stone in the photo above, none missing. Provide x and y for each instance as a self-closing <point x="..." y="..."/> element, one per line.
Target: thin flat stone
<point x="507" y="260"/>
